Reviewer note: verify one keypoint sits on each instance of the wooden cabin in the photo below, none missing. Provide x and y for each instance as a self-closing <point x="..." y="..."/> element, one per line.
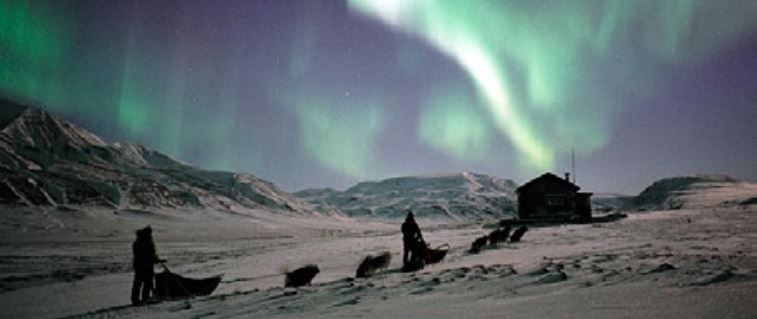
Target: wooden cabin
<point x="550" y="198"/>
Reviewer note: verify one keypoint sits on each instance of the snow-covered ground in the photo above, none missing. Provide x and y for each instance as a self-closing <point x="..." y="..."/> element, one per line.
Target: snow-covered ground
<point x="697" y="263"/>
<point x="70" y="203"/>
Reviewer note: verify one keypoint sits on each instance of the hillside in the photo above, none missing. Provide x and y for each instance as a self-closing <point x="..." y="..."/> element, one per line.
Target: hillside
<point x="455" y="196"/>
<point x="699" y="191"/>
<point x="607" y="202"/>
<point x="47" y="161"/>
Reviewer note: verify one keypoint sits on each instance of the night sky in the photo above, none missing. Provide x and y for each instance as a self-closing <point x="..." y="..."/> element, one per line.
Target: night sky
<point x="329" y="93"/>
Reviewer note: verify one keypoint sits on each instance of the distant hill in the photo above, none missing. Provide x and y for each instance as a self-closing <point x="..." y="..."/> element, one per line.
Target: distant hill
<point x="607" y="202"/>
<point x="47" y="161"/>
<point x="454" y="196"/>
<point x="697" y="191"/>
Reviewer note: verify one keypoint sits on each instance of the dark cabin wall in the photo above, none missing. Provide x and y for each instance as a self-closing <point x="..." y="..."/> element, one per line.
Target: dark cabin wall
<point x="583" y="206"/>
<point x="549" y="197"/>
<point x="533" y="204"/>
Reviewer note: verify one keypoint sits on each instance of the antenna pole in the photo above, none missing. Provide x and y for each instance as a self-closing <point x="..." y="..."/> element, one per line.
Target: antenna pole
<point x="573" y="164"/>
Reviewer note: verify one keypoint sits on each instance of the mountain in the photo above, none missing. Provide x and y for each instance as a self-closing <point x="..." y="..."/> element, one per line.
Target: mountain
<point x="47" y="161"/>
<point x="607" y="202"/>
<point x="455" y="196"/>
<point x="698" y="191"/>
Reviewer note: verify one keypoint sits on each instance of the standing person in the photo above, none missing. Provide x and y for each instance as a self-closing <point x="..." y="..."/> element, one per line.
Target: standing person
<point x="144" y="260"/>
<point x="411" y="238"/>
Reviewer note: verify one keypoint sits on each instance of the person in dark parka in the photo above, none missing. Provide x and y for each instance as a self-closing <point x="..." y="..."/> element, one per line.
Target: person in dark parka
<point x="411" y="238"/>
<point x="144" y="260"/>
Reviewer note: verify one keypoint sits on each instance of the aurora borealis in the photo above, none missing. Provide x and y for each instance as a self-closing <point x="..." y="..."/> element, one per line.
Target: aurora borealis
<point x="328" y="93"/>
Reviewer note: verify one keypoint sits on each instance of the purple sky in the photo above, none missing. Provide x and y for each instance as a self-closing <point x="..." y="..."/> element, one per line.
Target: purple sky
<point x="329" y="93"/>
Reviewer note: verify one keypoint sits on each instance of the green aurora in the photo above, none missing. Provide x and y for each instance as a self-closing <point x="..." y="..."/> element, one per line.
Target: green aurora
<point x="328" y="93"/>
<point x="545" y="43"/>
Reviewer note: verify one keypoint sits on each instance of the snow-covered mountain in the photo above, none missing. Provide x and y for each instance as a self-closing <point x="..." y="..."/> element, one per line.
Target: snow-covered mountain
<point x="607" y="202"/>
<point x="45" y="160"/>
<point x="456" y="196"/>
<point x="698" y="191"/>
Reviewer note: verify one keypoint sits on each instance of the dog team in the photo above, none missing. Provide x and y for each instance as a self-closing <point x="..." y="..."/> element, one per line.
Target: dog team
<point x="416" y="254"/>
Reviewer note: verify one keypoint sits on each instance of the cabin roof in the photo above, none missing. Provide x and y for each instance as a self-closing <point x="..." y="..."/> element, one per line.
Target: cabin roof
<point x="548" y="178"/>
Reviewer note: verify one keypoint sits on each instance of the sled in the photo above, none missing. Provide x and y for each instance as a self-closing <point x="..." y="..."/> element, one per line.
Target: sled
<point x="429" y="256"/>
<point x="435" y="255"/>
<point x="171" y="286"/>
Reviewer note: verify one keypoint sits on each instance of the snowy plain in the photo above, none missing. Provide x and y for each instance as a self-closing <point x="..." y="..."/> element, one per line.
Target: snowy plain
<point x="689" y="263"/>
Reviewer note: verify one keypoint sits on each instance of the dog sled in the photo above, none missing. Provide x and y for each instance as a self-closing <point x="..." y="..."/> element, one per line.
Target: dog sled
<point x="172" y="286"/>
<point x="427" y="256"/>
<point x="435" y="255"/>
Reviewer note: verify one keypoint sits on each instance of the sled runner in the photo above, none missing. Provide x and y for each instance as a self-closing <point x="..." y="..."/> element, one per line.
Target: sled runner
<point x="427" y="256"/>
<point x="435" y="255"/>
<point x="169" y="285"/>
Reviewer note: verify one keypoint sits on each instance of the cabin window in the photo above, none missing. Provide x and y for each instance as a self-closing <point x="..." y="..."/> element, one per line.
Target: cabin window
<point x="555" y="200"/>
